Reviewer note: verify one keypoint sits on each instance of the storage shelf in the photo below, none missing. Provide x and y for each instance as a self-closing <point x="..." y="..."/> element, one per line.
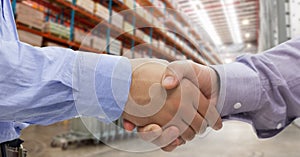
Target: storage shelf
<point x="156" y="11"/>
<point x="193" y="31"/>
<point x="124" y="35"/>
<point x="56" y="39"/>
<point x="170" y="41"/>
<point x="86" y="18"/>
<point x="181" y="19"/>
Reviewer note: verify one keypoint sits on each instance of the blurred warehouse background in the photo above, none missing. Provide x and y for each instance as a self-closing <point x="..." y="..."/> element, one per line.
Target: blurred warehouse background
<point x="205" y="31"/>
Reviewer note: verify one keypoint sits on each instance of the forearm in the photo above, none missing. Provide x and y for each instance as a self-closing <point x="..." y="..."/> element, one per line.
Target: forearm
<point x="46" y="85"/>
<point x="262" y="89"/>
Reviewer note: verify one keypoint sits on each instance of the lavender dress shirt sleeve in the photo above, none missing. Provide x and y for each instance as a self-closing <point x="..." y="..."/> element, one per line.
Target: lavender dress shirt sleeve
<point x="262" y="89"/>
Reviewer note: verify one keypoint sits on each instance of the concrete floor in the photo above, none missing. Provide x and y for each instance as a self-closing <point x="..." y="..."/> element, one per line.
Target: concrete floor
<point x="236" y="139"/>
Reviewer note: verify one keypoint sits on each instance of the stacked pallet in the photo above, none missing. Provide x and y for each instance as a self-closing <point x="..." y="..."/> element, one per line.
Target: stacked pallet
<point x="161" y="45"/>
<point x="115" y="46"/>
<point x="129" y="4"/>
<point x="147" y="38"/>
<point x="126" y="53"/>
<point x="48" y="43"/>
<point x="57" y="30"/>
<point x="158" y="3"/>
<point x="127" y="27"/>
<point x="29" y="16"/>
<point x="140" y="34"/>
<point x="87" y="5"/>
<point x="155" y="42"/>
<point x="117" y="20"/>
<point x="30" y="38"/>
<point x="148" y="16"/>
<point x="101" y="11"/>
<point x="99" y="43"/>
<point x="79" y="35"/>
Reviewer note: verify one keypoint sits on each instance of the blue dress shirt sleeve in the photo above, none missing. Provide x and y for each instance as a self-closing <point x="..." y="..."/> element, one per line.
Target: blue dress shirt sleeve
<point x="47" y="85"/>
<point x="262" y="89"/>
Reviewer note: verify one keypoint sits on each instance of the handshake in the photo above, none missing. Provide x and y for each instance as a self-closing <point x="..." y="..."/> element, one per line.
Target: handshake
<point x="170" y="103"/>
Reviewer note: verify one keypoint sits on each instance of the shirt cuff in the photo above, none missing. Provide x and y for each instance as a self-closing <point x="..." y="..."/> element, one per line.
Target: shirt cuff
<point x="101" y="85"/>
<point x="113" y="75"/>
<point x="239" y="89"/>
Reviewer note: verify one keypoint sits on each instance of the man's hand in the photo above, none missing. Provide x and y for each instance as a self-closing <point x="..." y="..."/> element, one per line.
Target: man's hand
<point x="206" y="80"/>
<point x="149" y="103"/>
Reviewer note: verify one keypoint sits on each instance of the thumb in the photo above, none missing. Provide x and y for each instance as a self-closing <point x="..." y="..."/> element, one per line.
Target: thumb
<point x="176" y="71"/>
<point x="171" y="79"/>
<point x="170" y="82"/>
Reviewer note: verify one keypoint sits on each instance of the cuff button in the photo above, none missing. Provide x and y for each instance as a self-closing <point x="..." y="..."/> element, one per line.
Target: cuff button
<point x="237" y="106"/>
<point x="279" y="126"/>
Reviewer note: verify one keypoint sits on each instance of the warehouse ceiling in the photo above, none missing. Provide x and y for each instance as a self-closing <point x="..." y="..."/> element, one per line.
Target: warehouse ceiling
<point x="231" y="24"/>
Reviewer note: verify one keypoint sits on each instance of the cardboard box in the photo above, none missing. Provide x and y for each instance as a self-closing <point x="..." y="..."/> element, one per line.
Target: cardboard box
<point x="83" y="38"/>
<point x="57" y="29"/>
<point x="101" y="11"/>
<point x="115" y="46"/>
<point x="99" y="43"/>
<point x="128" y="28"/>
<point x="129" y="4"/>
<point x="48" y="43"/>
<point x="30" y="38"/>
<point x="87" y="5"/>
<point x="139" y="33"/>
<point x="117" y="19"/>
<point x="29" y="16"/>
<point x="147" y="38"/>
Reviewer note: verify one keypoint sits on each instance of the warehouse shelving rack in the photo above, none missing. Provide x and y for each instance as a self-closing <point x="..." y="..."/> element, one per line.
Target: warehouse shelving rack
<point x="158" y="31"/>
<point x="119" y="7"/>
<point x="194" y="32"/>
<point x="82" y="17"/>
<point x="175" y="29"/>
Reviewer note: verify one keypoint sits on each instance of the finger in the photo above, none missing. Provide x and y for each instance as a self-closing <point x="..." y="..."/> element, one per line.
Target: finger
<point x="218" y="124"/>
<point x="169" y="148"/>
<point x="128" y="125"/>
<point x="178" y="142"/>
<point x="188" y="134"/>
<point x="209" y="112"/>
<point x="150" y="132"/>
<point x="203" y="127"/>
<point x="181" y="141"/>
<point x="176" y="71"/>
<point x="168" y="136"/>
<point x="187" y="110"/>
<point x="198" y="123"/>
<point x="186" y="131"/>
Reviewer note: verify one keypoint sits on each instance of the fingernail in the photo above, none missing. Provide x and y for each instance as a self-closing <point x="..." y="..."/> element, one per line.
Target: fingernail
<point x="168" y="80"/>
<point x="148" y="128"/>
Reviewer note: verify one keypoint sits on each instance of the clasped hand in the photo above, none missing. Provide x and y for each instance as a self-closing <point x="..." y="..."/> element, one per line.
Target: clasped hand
<point x="171" y="103"/>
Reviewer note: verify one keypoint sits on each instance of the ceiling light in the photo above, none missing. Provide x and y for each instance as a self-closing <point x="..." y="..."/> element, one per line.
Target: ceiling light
<point x="247" y="35"/>
<point x="228" y="54"/>
<point x="249" y="45"/>
<point x="228" y="60"/>
<point x="205" y="21"/>
<point x="246" y="22"/>
<point x="232" y="20"/>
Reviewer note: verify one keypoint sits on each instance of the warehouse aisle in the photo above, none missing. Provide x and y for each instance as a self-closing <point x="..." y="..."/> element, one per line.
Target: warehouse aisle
<point x="234" y="140"/>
